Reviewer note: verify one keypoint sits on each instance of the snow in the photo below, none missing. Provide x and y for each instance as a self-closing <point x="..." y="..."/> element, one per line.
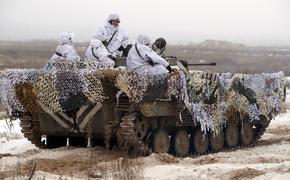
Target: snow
<point x="39" y="175"/>
<point x="10" y="127"/>
<point x="288" y="79"/>
<point x="273" y="176"/>
<point x="12" y="146"/>
<point x="11" y="138"/>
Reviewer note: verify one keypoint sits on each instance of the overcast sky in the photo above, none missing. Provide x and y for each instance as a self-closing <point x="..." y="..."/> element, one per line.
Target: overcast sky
<point x="252" y="22"/>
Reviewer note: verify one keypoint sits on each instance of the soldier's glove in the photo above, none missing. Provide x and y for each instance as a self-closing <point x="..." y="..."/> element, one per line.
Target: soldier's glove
<point x="121" y="48"/>
<point x="151" y="62"/>
<point x="105" y="43"/>
<point x="112" y="57"/>
<point x="169" y="68"/>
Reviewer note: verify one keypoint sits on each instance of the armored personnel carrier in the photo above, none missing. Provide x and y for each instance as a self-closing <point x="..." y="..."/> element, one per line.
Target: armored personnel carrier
<point x="183" y="112"/>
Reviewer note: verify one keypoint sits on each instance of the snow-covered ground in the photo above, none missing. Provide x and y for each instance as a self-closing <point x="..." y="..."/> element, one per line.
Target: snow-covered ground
<point x="11" y="138"/>
<point x="270" y="159"/>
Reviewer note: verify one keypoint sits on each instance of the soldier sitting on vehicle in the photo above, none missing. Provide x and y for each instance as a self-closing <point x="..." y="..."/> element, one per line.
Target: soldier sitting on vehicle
<point x="65" y="50"/>
<point x="144" y="60"/>
<point x="98" y="52"/>
<point x="113" y="38"/>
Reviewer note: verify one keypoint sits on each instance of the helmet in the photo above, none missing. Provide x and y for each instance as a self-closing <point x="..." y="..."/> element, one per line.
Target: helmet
<point x="66" y="38"/>
<point x="101" y="35"/>
<point x="95" y="43"/>
<point x="160" y="43"/>
<point x="113" y="17"/>
<point x="143" y="39"/>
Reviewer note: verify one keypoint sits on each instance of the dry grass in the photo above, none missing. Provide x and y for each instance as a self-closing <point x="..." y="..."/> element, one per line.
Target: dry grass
<point x="3" y="114"/>
<point x="123" y="168"/>
<point x="129" y="169"/>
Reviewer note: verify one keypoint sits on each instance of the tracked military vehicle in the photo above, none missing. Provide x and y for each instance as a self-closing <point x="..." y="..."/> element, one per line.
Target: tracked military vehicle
<point x="184" y="112"/>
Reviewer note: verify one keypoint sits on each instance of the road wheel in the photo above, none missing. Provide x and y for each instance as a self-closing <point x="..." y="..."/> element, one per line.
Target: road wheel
<point x="161" y="141"/>
<point x="216" y="141"/>
<point x="141" y="127"/>
<point x="181" y="143"/>
<point x="246" y="133"/>
<point x="231" y="136"/>
<point x="199" y="142"/>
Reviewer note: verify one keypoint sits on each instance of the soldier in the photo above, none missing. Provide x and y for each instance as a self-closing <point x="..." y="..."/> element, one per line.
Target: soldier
<point x="65" y="50"/>
<point x="98" y="52"/>
<point x="144" y="60"/>
<point x="112" y="36"/>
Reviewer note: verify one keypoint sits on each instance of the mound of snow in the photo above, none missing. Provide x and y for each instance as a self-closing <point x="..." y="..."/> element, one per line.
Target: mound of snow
<point x="10" y="129"/>
<point x="11" y="138"/>
<point x="15" y="146"/>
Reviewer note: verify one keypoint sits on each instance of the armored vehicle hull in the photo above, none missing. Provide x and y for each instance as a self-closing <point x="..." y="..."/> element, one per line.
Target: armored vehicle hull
<point x="181" y="113"/>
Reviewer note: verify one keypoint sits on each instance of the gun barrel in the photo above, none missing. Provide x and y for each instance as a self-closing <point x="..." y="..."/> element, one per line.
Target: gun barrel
<point x="202" y="64"/>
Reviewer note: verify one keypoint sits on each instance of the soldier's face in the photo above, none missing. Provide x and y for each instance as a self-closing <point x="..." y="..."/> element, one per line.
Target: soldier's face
<point x="115" y="23"/>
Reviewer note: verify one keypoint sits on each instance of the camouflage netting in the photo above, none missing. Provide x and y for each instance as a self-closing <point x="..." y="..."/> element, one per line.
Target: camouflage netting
<point x="61" y="87"/>
<point x="211" y="98"/>
<point x="60" y="91"/>
<point x="140" y="87"/>
<point x="46" y="93"/>
<point x="68" y="88"/>
<point x="11" y="78"/>
<point x="99" y="85"/>
<point x="27" y="97"/>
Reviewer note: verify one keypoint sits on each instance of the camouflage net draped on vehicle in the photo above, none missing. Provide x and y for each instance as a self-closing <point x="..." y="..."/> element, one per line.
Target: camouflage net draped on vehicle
<point x="9" y="79"/>
<point x="145" y="88"/>
<point x="214" y="98"/>
<point x="211" y="98"/>
<point x="99" y="85"/>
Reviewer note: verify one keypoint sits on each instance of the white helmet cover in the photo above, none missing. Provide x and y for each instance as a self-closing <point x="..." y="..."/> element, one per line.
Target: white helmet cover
<point x="113" y="17"/>
<point x="66" y="38"/>
<point x="100" y="35"/>
<point x="95" y="43"/>
<point x="143" y="39"/>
